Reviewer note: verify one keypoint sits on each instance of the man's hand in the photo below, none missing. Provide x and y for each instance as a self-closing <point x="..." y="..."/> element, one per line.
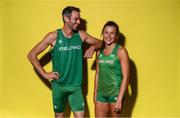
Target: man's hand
<point x="89" y="52"/>
<point x="51" y="76"/>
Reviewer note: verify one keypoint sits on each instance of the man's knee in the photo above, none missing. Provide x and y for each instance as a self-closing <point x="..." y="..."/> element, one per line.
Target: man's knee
<point x="59" y="115"/>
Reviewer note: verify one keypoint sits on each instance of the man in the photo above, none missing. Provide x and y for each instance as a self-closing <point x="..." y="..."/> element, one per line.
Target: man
<point x="66" y="77"/>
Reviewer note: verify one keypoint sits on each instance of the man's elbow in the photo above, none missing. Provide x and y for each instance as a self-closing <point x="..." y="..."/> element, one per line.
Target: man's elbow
<point x="29" y="56"/>
<point x="98" y="44"/>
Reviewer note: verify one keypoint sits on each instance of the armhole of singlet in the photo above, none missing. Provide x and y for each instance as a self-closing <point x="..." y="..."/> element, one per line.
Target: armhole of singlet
<point x="52" y="47"/>
<point x="79" y="37"/>
<point x="97" y="55"/>
<point x="117" y="48"/>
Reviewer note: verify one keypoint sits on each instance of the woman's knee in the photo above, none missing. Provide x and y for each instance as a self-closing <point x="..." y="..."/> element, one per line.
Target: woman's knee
<point x="79" y="114"/>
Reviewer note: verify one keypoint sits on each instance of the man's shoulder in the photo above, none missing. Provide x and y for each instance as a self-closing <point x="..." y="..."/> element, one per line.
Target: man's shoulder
<point x="51" y="37"/>
<point x="52" y="34"/>
<point x="83" y="34"/>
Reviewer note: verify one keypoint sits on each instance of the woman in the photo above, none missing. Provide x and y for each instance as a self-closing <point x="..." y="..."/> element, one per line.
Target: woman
<point x="112" y="73"/>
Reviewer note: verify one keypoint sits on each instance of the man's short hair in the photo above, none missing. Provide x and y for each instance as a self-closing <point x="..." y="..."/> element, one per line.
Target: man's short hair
<point x="68" y="10"/>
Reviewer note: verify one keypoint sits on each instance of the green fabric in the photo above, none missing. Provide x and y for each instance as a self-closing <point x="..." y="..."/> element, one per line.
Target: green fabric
<point x="110" y="75"/>
<point x="67" y="59"/>
<point x="107" y="99"/>
<point x="62" y="94"/>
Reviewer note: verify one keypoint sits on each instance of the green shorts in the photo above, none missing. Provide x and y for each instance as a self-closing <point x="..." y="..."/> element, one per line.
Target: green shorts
<point x="62" y="94"/>
<point x="107" y="99"/>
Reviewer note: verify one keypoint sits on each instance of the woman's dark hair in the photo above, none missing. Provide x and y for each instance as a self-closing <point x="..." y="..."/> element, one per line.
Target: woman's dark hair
<point x="110" y="23"/>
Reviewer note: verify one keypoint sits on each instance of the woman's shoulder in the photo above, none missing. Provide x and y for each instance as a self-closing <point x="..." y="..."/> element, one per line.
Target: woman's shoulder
<point x="122" y="51"/>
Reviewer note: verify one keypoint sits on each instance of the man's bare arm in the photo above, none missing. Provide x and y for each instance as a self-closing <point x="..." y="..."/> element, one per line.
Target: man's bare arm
<point x="94" y="42"/>
<point x="49" y="39"/>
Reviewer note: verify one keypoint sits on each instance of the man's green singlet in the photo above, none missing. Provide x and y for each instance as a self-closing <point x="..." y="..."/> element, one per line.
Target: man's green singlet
<point x="110" y="74"/>
<point x="67" y="59"/>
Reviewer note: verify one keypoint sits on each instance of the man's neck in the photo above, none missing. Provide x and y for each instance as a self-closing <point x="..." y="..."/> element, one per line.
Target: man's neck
<point x="67" y="32"/>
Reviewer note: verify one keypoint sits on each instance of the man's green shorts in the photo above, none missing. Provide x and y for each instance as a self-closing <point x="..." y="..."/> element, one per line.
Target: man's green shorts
<point x="63" y="94"/>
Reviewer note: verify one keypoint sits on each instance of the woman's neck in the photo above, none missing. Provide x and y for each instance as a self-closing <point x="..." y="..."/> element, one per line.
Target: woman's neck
<point x="109" y="47"/>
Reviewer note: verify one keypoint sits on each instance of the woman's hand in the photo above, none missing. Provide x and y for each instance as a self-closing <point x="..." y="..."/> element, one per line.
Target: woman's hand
<point x="118" y="106"/>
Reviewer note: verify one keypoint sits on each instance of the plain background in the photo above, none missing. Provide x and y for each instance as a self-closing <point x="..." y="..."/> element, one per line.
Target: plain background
<point x="151" y="29"/>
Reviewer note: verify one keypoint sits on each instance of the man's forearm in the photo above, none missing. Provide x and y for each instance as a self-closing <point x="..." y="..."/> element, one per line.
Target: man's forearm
<point x="98" y="45"/>
<point x="36" y="64"/>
